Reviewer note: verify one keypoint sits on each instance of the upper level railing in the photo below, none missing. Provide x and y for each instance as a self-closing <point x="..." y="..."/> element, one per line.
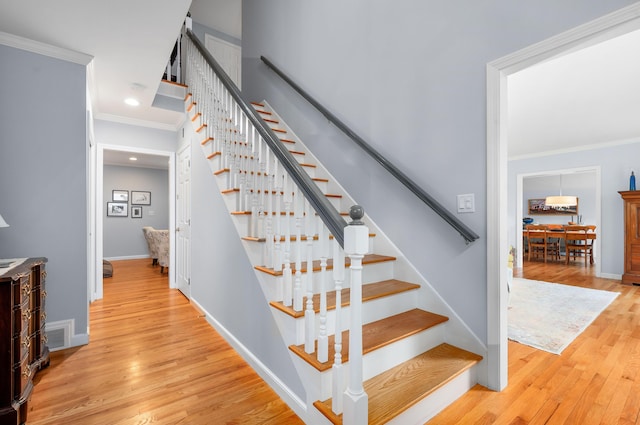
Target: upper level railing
<point x="464" y="230"/>
<point x="328" y="214"/>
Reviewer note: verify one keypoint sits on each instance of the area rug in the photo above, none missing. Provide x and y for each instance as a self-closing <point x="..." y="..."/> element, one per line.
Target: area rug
<point x="549" y="316"/>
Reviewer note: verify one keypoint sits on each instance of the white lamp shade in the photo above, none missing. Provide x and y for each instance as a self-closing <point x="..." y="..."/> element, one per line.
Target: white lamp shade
<point x="3" y="223"/>
<point x="561" y="201"/>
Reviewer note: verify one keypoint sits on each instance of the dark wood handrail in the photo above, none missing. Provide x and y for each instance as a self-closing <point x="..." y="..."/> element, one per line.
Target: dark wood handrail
<point x="328" y="214"/>
<point x="468" y="234"/>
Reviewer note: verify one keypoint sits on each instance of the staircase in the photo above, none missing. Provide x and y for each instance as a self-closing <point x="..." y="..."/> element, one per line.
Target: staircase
<point x="412" y="363"/>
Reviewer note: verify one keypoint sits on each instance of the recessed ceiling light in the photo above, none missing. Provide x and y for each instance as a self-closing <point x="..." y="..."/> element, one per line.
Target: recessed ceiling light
<point x="131" y="101"/>
<point x="133" y="158"/>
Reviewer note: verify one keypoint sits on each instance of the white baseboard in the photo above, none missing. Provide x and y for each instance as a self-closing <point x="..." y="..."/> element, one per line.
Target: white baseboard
<point x="61" y="335"/>
<point x="611" y="276"/>
<point x="126" y="257"/>
<point x="293" y="401"/>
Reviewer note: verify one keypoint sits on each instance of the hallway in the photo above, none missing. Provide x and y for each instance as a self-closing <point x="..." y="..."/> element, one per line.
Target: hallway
<point x="152" y="359"/>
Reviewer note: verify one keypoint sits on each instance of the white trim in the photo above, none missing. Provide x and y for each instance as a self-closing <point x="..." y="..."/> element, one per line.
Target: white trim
<point x="127" y="257"/>
<point x="68" y="329"/>
<point x="575" y="149"/>
<point x="140" y="123"/>
<point x="97" y="292"/>
<point x="298" y="405"/>
<point x="606" y="27"/>
<point x="44" y="49"/>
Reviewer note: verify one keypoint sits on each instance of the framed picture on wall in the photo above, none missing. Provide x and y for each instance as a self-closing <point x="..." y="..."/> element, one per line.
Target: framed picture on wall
<point x="539" y="207"/>
<point x="140" y="198"/>
<point x="120" y="195"/>
<point x="117" y="209"/>
<point x="136" y="212"/>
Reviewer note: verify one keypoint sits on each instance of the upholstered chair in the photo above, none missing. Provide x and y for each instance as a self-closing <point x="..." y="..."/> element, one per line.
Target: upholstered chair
<point x="153" y="251"/>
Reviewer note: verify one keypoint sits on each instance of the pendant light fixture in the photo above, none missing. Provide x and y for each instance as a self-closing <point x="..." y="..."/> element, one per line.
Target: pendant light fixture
<point x="3" y="223"/>
<point x="560" y="200"/>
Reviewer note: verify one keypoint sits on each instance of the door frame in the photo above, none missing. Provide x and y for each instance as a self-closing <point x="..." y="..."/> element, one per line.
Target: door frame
<point x="96" y="287"/>
<point x="185" y="148"/>
<point x="604" y="28"/>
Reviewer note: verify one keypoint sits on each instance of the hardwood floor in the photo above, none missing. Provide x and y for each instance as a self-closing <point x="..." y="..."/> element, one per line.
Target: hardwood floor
<point x="596" y="380"/>
<point x="152" y="359"/>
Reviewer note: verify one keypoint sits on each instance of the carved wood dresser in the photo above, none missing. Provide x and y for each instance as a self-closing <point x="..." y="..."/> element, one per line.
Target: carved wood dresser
<point x="23" y="349"/>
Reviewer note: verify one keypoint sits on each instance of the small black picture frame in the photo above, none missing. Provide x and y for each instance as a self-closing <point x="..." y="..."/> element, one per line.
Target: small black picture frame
<point x="136" y="212"/>
<point x="117" y="209"/>
<point x="140" y="197"/>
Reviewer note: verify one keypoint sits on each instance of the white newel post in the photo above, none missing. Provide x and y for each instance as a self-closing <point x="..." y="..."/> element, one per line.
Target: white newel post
<point x="356" y="245"/>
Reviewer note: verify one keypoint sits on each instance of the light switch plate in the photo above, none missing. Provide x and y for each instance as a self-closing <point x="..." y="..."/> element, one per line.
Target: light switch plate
<point x="466" y="203"/>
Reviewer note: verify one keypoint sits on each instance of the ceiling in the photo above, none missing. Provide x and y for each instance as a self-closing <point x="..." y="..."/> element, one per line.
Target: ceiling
<point x="589" y="97"/>
<point x="585" y="99"/>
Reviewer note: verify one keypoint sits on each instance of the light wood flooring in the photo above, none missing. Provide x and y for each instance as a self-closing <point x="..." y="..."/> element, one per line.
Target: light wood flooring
<point x="596" y="380"/>
<point x="152" y="359"/>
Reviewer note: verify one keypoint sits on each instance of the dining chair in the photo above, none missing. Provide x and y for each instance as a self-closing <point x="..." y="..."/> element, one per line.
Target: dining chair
<point x="537" y="240"/>
<point x="577" y="241"/>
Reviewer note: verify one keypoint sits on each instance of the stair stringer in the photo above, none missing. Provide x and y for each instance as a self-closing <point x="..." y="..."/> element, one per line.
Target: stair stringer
<point x="454" y="332"/>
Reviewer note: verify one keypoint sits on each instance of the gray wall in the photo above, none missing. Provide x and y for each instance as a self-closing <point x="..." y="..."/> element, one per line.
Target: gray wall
<point x="43" y="185"/>
<point x="409" y="77"/>
<point x="113" y="133"/>
<point x="223" y="281"/>
<point x="582" y="185"/>
<point x="200" y="31"/>
<point x="122" y="236"/>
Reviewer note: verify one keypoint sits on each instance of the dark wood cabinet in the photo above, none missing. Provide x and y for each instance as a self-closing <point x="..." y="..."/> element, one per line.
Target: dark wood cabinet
<point x="23" y="348"/>
<point x="631" y="237"/>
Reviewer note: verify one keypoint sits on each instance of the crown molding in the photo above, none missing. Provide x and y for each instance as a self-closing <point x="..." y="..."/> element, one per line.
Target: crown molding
<point x="44" y="49"/>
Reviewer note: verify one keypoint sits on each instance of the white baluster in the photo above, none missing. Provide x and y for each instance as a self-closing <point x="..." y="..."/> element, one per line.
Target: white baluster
<point x="287" y="282"/>
<point x="356" y="244"/>
<point x="179" y="62"/>
<point x="337" y="369"/>
<point x="269" y="237"/>
<point x="309" y="313"/>
<point x="323" y="339"/>
<point x="297" y="287"/>
<point x="277" y="186"/>
<point x="262" y="187"/>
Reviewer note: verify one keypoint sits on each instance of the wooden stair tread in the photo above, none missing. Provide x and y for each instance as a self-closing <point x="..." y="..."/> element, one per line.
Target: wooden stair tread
<point x="376" y="335"/>
<point x="370" y="291"/>
<point x="368" y="259"/>
<point x="397" y="389"/>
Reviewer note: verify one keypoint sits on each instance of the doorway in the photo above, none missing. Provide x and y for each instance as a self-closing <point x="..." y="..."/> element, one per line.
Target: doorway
<point x="589" y="196"/>
<point x="607" y="27"/>
<point x="96" y="284"/>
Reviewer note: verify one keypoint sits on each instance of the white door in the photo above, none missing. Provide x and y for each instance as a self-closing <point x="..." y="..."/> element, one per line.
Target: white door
<point x="228" y="55"/>
<point x="183" y="222"/>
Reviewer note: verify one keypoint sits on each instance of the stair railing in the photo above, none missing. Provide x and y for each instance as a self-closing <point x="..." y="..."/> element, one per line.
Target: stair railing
<point x="268" y="179"/>
<point x="468" y="234"/>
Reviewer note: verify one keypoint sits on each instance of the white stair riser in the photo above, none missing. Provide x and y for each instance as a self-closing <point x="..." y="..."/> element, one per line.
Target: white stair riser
<point x="292" y="329"/>
<point x="272" y="285"/>
<point x="247" y="222"/>
<point x="374" y="363"/>
<point x="257" y="250"/>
